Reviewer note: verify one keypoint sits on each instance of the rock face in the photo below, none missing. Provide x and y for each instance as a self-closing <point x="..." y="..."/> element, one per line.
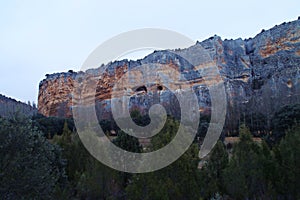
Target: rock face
<point x="260" y="75"/>
<point x="55" y="94"/>
<point x="9" y="106"/>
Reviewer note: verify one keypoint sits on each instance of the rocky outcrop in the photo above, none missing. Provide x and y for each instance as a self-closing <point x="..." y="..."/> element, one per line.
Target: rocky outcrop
<point x="9" y="107"/>
<point x="260" y="74"/>
<point x="55" y="94"/>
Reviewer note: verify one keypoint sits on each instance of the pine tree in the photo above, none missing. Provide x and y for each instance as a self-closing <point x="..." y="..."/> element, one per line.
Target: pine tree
<point x="244" y="177"/>
<point x="176" y="181"/>
<point x="30" y="167"/>
<point x="289" y="164"/>
<point x="212" y="172"/>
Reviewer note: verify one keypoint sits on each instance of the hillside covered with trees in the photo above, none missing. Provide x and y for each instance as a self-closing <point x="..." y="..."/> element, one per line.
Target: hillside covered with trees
<point x="43" y="158"/>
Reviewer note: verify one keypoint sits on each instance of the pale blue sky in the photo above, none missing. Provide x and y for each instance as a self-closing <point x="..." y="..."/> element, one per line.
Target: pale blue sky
<point x="40" y="37"/>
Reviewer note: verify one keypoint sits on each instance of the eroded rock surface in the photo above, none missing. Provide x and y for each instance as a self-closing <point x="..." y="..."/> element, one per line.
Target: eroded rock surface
<point x="260" y="74"/>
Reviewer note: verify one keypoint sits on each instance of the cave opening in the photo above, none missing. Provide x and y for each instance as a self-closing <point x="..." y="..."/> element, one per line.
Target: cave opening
<point x="159" y="88"/>
<point x="289" y="84"/>
<point x="141" y="89"/>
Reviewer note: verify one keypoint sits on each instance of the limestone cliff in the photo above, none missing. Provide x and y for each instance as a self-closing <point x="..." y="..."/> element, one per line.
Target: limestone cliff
<point x="260" y="74"/>
<point x="9" y="107"/>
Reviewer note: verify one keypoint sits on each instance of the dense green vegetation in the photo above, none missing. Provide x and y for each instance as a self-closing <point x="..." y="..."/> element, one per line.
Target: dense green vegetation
<point x="30" y="167"/>
<point x="254" y="171"/>
<point x="34" y="167"/>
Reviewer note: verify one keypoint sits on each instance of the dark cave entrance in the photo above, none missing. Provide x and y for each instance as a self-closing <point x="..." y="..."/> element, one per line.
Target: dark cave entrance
<point x="141" y="89"/>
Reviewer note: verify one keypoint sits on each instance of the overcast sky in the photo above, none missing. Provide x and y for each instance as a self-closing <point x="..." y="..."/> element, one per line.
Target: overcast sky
<point x="42" y="37"/>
